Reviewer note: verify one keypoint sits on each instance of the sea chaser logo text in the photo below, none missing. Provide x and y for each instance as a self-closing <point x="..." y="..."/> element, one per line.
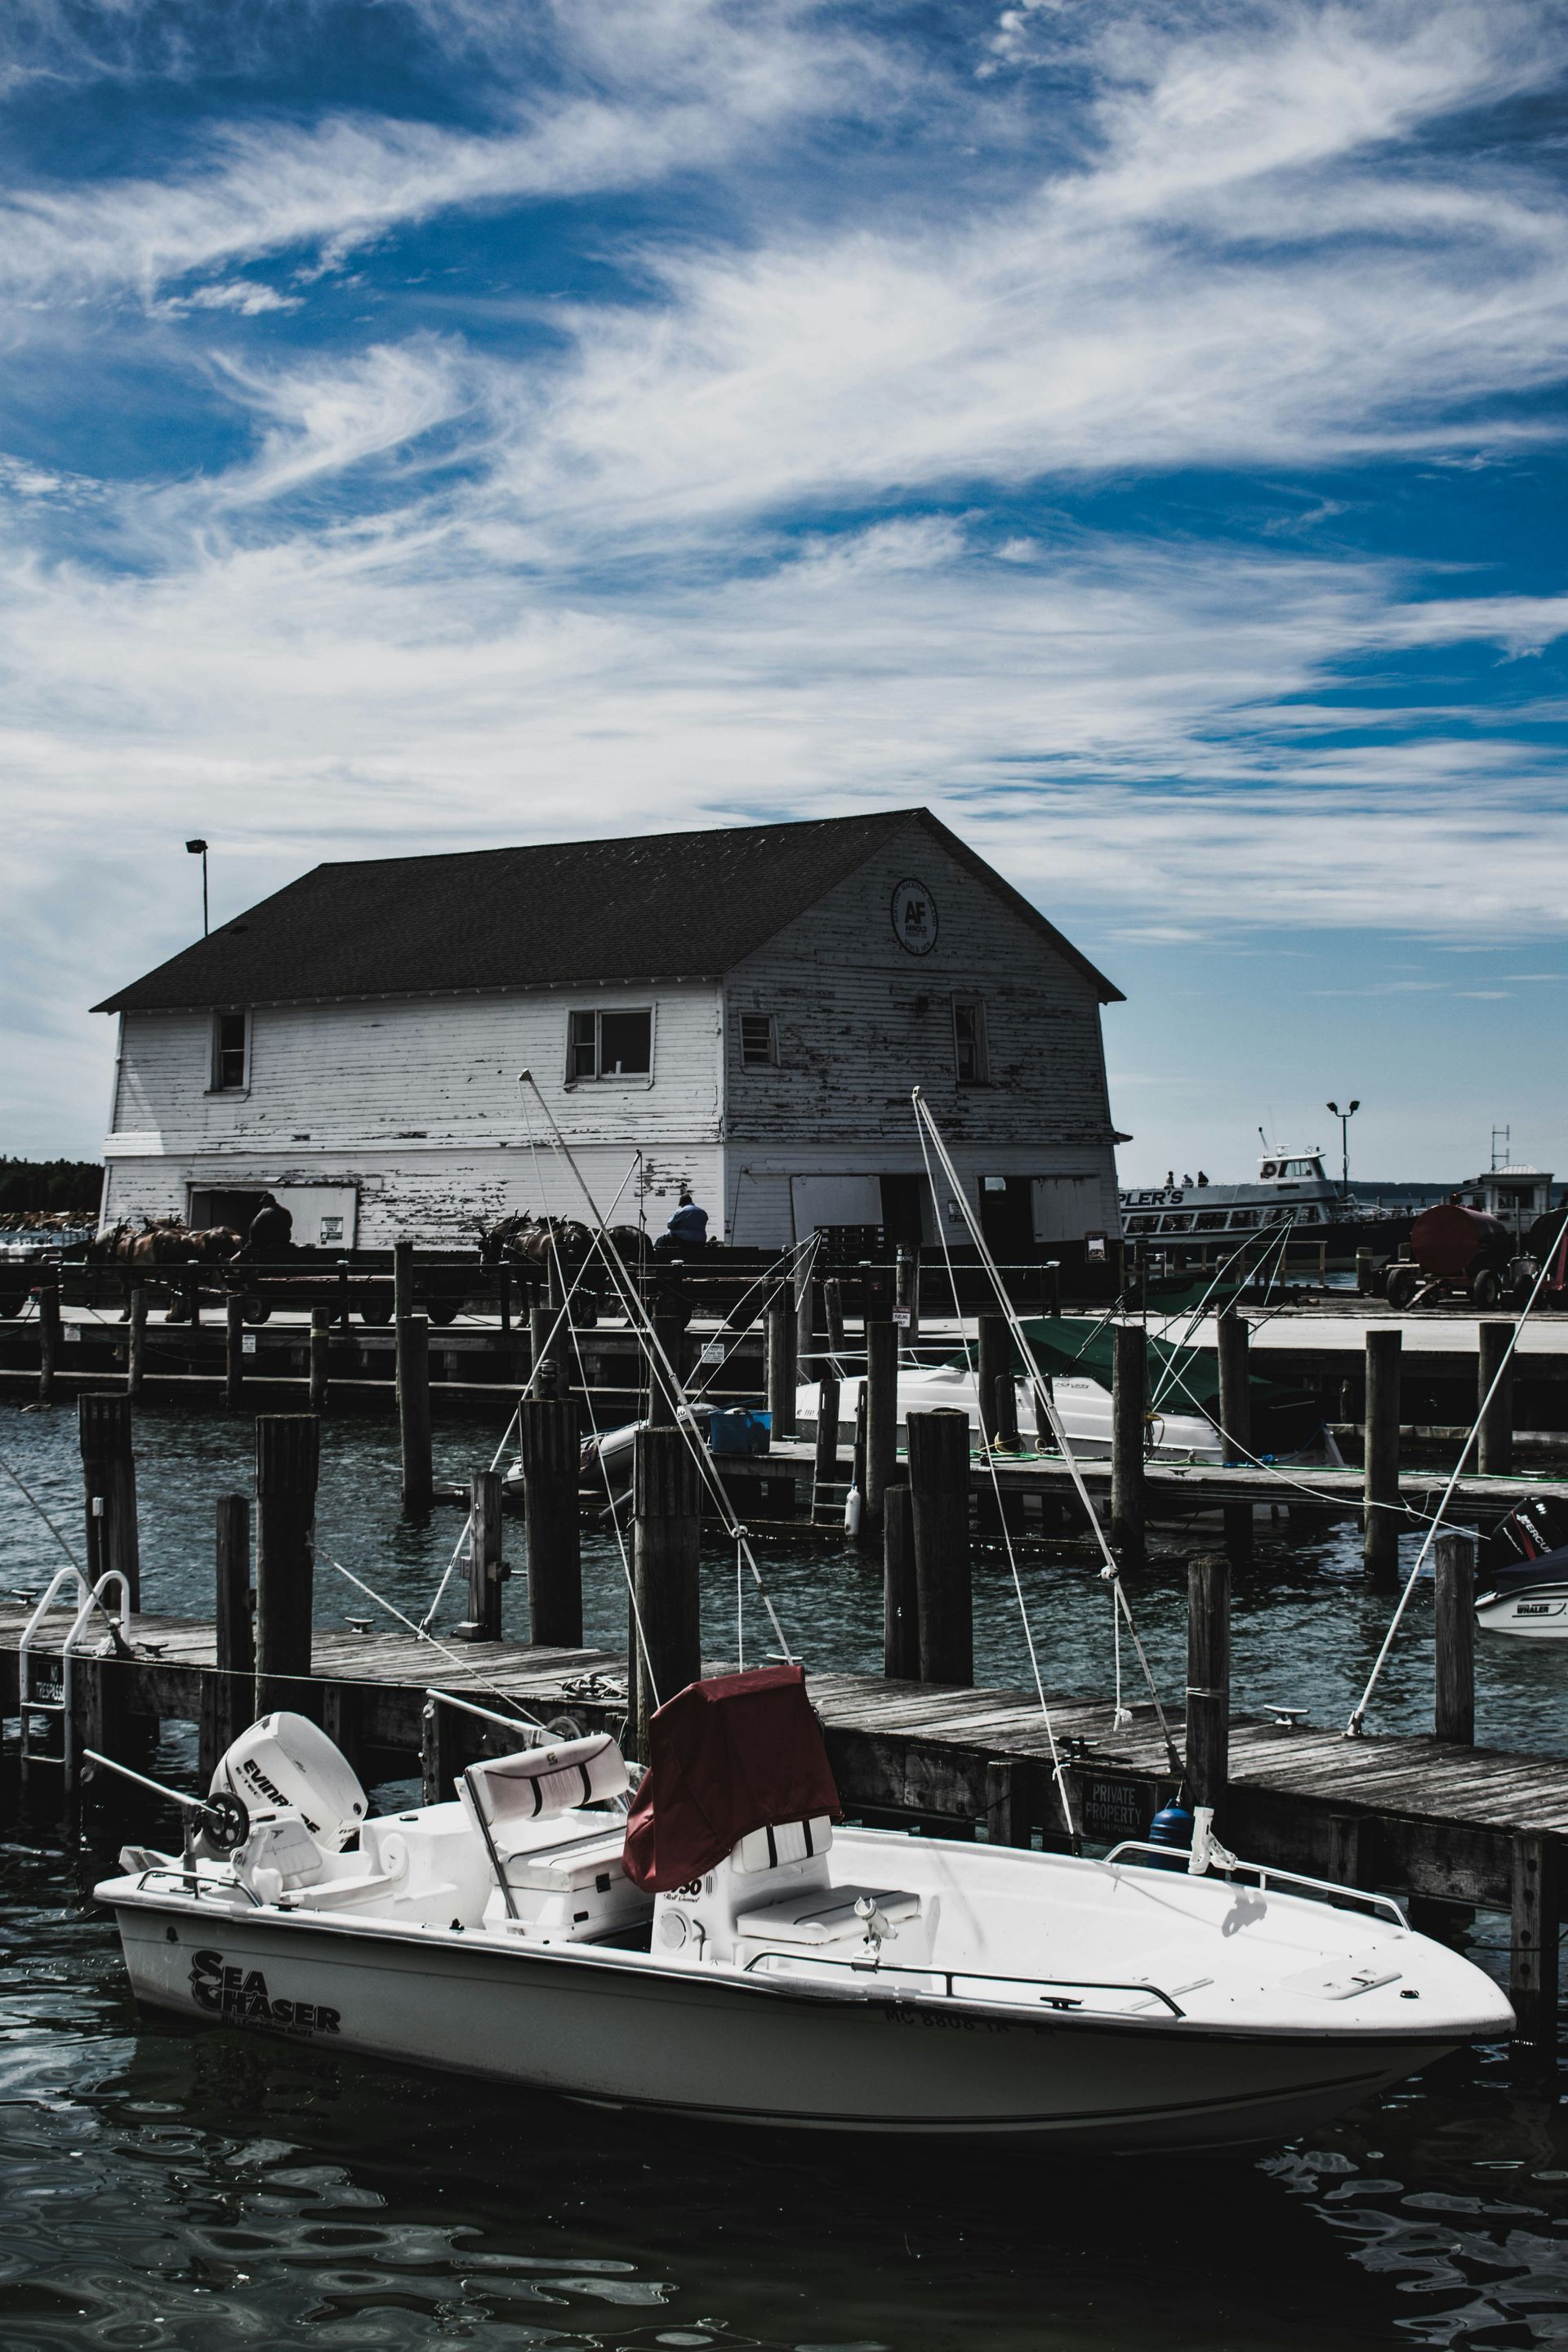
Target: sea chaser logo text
<point x="240" y="1996"/>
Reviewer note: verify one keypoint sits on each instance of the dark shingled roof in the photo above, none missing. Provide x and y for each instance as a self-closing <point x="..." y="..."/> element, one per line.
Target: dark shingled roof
<point x="661" y="907"/>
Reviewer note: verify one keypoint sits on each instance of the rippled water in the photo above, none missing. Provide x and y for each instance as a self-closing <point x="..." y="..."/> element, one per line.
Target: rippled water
<point x="1306" y="1627"/>
<point x="211" y="2190"/>
<point x="165" y="2188"/>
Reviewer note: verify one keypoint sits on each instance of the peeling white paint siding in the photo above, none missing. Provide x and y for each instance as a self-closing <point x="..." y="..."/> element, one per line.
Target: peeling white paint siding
<point x="853" y="1039"/>
<point x="418" y="1105"/>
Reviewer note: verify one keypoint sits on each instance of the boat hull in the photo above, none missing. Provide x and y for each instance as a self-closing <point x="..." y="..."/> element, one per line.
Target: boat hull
<point x="1539" y="1613"/>
<point x="619" y="2030"/>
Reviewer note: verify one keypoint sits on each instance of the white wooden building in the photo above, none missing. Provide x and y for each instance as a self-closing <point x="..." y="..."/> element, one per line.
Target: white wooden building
<point x="742" y="1010"/>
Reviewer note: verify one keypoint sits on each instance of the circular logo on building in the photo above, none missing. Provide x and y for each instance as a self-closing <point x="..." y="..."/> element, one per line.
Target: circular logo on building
<point x="914" y="916"/>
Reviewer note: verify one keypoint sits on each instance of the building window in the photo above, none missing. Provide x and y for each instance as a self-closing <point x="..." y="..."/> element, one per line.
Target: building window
<point x="610" y="1045"/>
<point x="759" y="1041"/>
<point x="969" y="1059"/>
<point x="231" y="1040"/>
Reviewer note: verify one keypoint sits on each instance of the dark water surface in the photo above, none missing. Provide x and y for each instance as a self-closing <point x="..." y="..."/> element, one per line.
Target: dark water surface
<point x="166" y="2187"/>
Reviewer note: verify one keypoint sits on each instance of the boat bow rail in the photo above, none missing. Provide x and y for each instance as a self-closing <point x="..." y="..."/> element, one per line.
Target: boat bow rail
<point x="1138" y="1853"/>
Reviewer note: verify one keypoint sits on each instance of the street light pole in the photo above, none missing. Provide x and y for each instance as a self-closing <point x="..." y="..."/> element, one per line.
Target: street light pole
<point x="199" y="849"/>
<point x="1344" y="1117"/>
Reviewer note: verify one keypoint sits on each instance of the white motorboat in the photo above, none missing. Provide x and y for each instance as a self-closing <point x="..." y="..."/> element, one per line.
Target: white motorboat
<point x="1082" y="1406"/>
<point x="1521" y="1580"/>
<point x="726" y="1952"/>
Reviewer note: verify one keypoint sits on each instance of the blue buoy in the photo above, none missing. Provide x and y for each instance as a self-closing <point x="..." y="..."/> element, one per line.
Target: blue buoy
<point x="1172" y="1825"/>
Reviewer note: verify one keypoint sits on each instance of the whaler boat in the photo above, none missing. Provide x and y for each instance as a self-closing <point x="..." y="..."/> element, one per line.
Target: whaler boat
<point x="1521" y="1580"/>
<point x="726" y="1952"/>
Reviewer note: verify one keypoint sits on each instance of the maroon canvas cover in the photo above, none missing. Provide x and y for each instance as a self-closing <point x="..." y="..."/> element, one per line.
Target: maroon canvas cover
<point x="739" y="1753"/>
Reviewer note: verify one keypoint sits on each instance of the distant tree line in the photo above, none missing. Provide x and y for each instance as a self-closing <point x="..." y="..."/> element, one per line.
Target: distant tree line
<point x="49" y="1184"/>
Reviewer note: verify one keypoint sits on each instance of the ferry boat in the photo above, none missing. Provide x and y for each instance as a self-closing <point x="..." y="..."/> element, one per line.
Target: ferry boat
<point x="1292" y="1190"/>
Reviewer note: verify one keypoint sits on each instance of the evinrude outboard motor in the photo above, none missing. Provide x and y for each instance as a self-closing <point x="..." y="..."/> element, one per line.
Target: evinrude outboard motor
<point x="285" y="1764"/>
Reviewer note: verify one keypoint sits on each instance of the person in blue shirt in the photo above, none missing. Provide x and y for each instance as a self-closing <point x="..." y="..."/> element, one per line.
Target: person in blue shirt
<point x="688" y="1229"/>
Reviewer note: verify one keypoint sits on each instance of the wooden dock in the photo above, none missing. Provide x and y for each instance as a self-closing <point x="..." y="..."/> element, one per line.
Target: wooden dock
<point x="1436" y="1820"/>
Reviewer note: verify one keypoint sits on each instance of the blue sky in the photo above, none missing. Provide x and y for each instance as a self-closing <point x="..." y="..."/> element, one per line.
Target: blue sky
<point x="1136" y="431"/>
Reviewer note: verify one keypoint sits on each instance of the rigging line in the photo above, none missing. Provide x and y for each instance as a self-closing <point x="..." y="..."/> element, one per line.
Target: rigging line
<point x="469" y="1665"/>
<point x="782" y="1271"/>
<point x="639" y="1317"/>
<point x="43" y="1515"/>
<point x="1358" y="1715"/>
<point x="614" y="1515"/>
<point x="1195" y="1319"/>
<point x="1057" y="1774"/>
<point x="1110" y="1572"/>
<point x="1314" y="1493"/>
<point x="468" y="1528"/>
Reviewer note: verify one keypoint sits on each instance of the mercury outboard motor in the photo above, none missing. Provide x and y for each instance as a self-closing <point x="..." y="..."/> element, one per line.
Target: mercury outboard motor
<point x="285" y="1764"/>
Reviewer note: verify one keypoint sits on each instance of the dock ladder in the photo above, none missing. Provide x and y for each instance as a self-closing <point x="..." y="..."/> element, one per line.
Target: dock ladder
<point x="44" y="1676"/>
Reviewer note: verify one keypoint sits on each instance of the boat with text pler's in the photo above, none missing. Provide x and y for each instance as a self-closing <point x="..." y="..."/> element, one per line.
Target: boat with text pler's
<point x="725" y="1949"/>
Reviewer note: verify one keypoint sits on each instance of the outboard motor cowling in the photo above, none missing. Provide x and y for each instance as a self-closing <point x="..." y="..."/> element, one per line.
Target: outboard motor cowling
<point x="286" y="1764"/>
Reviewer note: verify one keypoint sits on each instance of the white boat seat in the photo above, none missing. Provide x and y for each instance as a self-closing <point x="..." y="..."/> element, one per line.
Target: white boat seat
<point x="385" y="1870"/>
<point x="284" y="1850"/>
<point x="785" y="1841"/>
<point x="824" y="1915"/>
<point x="572" y="1866"/>
<point x="507" y="1796"/>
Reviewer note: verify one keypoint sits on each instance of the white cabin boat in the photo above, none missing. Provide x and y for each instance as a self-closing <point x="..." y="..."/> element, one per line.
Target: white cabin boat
<point x="728" y="1953"/>
<point x="1292" y="1190"/>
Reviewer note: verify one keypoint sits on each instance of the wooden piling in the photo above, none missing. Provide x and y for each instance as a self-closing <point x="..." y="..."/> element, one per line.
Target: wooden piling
<point x="549" y="1442"/>
<point x="939" y="1491"/>
<point x="1129" y="1395"/>
<point x="545" y="1375"/>
<point x="832" y="1316"/>
<point x="1454" y="1635"/>
<point x="320" y="1357"/>
<point x="402" y="1280"/>
<point x="48" y="1298"/>
<point x="900" y="1617"/>
<point x="486" y="1560"/>
<point x="1233" y="1337"/>
<point x="1494" y="1442"/>
<point x="108" y="1485"/>
<point x="674" y="1348"/>
<point x="807" y="1303"/>
<point x="233" y="1354"/>
<point x="413" y="1412"/>
<point x="780" y="1366"/>
<point x="993" y="1358"/>
<point x="666" y="1511"/>
<point x="906" y="1294"/>
<point x="881" y="1393"/>
<point x="1208" y="1679"/>
<point x="1533" y="1944"/>
<point x="825" y="1466"/>
<point x="234" y="1685"/>
<point x="288" y="1461"/>
<point x="1380" y="1548"/>
<point x="136" y="1342"/>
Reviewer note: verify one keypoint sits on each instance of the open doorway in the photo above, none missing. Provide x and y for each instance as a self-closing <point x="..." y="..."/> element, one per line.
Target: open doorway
<point x="1007" y="1217"/>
